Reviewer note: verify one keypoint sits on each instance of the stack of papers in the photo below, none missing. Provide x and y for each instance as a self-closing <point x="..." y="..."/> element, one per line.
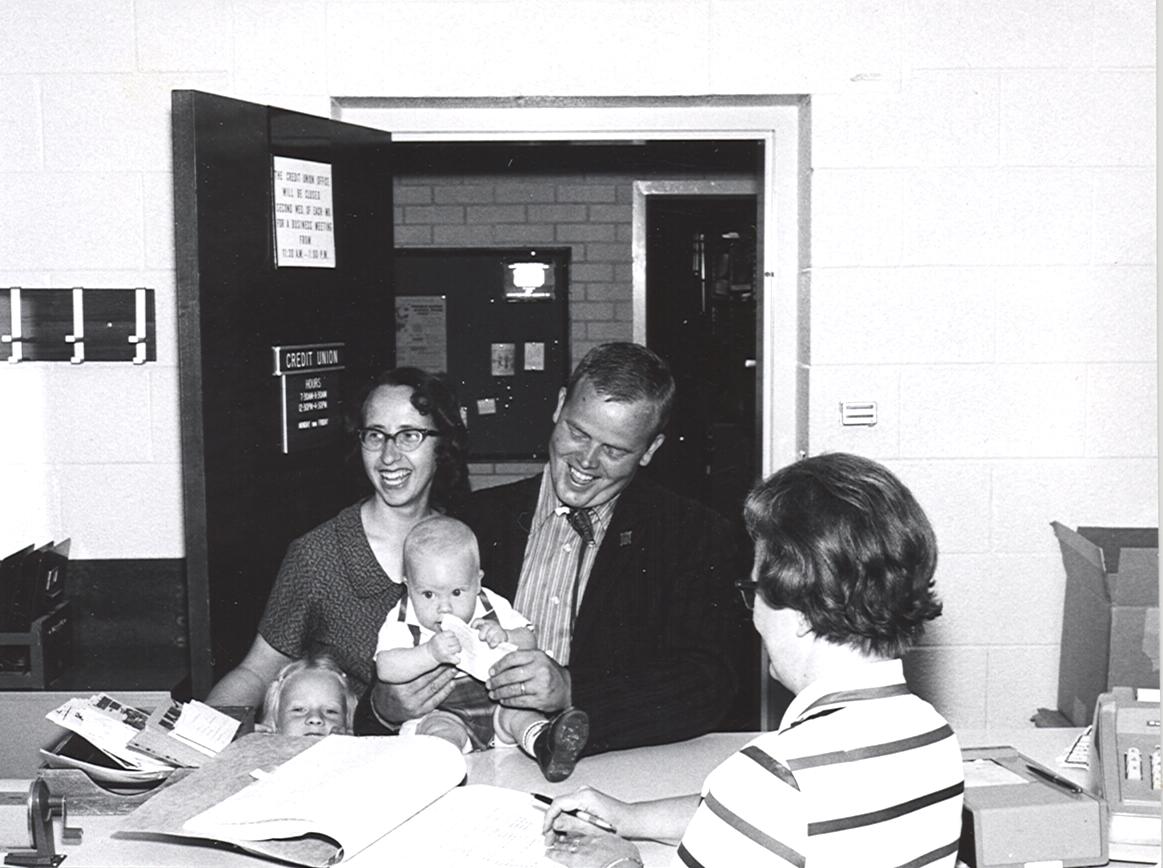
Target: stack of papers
<point x="140" y="745"/>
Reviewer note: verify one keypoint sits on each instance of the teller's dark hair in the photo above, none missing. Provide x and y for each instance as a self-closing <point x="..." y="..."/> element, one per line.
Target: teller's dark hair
<point x="627" y="372"/>
<point x="433" y="397"/>
<point x="841" y="540"/>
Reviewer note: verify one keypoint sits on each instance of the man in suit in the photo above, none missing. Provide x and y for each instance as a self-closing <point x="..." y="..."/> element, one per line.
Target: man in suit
<point x="630" y="585"/>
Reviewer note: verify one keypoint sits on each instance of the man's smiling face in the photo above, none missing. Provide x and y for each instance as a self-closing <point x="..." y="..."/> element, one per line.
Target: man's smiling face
<point x="598" y="445"/>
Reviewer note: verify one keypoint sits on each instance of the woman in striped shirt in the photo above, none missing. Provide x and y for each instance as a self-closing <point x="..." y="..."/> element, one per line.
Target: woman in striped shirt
<point x="860" y="771"/>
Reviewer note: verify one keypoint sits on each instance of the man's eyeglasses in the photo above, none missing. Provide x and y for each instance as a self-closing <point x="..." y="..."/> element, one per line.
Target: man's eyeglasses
<point x="746" y="589"/>
<point x="406" y="439"/>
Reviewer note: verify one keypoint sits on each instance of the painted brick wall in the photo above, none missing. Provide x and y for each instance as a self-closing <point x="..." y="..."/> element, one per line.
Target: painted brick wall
<point x="589" y="215"/>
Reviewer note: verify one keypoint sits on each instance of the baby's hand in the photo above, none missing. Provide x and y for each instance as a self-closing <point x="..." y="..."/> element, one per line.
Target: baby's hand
<point x="445" y="647"/>
<point x="491" y="632"/>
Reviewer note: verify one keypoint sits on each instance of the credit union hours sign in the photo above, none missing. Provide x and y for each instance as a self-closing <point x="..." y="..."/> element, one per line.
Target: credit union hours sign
<point x="309" y="391"/>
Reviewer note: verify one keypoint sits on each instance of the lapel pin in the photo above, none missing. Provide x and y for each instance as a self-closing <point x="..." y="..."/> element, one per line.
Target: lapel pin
<point x="625" y="538"/>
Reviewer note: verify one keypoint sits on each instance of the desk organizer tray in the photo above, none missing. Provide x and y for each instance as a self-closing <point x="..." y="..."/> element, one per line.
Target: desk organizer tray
<point x="94" y="784"/>
<point x="86" y="796"/>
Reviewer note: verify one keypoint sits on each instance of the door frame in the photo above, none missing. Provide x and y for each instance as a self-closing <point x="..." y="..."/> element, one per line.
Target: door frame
<point x="780" y="123"/>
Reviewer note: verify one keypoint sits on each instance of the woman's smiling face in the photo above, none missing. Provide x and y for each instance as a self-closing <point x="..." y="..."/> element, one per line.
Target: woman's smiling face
<point x="399" y="478"/>
<point x="598" y="445"/>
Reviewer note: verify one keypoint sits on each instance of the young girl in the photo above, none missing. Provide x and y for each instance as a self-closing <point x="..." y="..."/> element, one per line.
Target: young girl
<point x="310" y="696"/>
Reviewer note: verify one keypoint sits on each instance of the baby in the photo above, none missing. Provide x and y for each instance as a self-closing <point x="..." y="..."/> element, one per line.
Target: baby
<point x="443" y="577"/>
<point x="309" y="697"/>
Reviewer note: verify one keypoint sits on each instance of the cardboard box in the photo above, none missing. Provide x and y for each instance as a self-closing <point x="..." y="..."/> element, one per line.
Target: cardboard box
<point x="1110" y="615"/>
<point x="1018" y="813"/>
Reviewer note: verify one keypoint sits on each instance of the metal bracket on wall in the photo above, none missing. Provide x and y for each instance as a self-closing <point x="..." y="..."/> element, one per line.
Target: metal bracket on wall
<point x="77" y="338"/>
<point x="140" y="336"/>
<point x="14" y="338"/>
<point x="77" y="325"/>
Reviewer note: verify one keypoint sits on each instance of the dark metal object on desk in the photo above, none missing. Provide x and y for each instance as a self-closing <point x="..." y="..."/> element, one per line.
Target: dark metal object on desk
<point x="41" y="809"/>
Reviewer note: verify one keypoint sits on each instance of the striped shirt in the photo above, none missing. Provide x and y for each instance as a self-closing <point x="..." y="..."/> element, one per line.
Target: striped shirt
<point x="861" y="772"/>
<point x="545" y="589"/>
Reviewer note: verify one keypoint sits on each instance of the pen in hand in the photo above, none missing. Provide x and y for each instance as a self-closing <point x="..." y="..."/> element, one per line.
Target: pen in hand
<point x="581" y="814"/>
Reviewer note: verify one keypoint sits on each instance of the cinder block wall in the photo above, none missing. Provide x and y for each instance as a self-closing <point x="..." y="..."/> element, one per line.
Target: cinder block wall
<point x="982" y="246"/>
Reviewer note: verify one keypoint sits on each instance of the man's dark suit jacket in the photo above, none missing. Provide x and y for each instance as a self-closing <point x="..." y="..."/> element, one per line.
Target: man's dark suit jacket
<point x="651" y="659"/>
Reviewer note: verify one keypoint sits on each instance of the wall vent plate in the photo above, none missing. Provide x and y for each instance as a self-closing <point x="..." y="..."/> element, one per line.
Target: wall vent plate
<point x="857" y="412"/>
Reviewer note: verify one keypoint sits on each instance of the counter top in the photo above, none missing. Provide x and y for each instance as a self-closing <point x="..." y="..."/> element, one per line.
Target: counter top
<point x="641" y="773"/>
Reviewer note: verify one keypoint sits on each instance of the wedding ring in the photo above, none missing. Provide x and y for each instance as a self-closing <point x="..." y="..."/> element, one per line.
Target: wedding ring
<point x="522" y="688"/>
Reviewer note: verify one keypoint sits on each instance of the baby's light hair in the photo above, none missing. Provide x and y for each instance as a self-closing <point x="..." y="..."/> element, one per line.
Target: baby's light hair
<point x="312" y="662"/>
<point x="439" y="535"/>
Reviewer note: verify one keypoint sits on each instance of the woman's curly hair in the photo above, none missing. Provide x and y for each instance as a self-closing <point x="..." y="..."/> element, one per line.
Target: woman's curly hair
<point x="841" y="540"/>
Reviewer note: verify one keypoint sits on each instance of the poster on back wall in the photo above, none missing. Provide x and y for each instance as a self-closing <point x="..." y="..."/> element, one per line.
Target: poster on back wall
<point x="422" y="332"/>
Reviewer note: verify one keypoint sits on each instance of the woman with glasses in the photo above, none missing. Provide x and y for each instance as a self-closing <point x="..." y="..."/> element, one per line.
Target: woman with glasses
<point x="338" y="581"/>
<point x="860" y="771"/>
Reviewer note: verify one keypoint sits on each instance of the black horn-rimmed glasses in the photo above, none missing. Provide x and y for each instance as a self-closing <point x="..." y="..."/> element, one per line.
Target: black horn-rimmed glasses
<point x="406" y="439"/>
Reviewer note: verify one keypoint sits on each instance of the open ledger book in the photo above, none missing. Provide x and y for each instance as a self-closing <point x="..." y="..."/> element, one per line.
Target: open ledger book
<point x="363" y="801"/>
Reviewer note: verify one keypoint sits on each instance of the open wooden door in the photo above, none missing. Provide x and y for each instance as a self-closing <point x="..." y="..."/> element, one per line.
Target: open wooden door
<point x="283" y="228"/>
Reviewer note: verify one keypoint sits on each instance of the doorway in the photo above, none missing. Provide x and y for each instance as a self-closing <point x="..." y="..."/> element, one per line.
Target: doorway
<point x="700" y="260"/>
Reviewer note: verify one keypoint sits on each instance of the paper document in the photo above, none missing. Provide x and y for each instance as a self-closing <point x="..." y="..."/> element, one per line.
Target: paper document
<point x="476" y="657"/>
<point x="185" y="734"/>
<point x="199" y="726"/>
<point x="987" y="773"/>
<point x="494" y="828"/>
<point x="349" y="790"/>
<point x="1078" y="754"/>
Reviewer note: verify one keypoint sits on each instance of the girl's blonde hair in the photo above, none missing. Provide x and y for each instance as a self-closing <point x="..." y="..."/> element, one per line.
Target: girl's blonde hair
<point x="319" y="662"/>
